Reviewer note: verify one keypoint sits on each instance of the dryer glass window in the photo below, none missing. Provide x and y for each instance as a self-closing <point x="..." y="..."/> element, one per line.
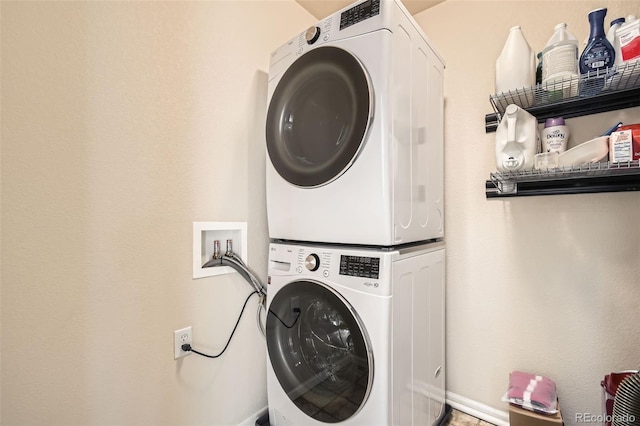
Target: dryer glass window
<point x="318" y="117"/>
<point x="319" y="351"/>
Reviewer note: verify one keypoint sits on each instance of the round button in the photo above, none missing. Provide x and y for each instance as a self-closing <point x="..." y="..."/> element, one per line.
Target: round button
<point x="299" y="269"/>
<point x="312" y="262"/>
<point x="325" y="273"/>
<point x="312" y="34"/>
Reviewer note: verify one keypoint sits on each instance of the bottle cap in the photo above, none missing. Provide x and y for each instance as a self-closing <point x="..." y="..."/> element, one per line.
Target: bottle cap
<point x="559" y="121"/>
<point x="617" y="21"/>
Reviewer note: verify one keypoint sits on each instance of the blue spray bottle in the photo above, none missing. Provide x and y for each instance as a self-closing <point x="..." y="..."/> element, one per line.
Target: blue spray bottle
<point x="597" y="56"/>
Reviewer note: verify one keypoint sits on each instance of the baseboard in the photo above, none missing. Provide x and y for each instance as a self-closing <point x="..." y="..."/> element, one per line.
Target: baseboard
<point x="251" y="420"/>
<point x="476" y="409"/>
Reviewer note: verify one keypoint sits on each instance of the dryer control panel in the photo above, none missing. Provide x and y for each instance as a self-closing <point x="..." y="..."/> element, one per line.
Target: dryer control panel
<point x="359" y="13"/>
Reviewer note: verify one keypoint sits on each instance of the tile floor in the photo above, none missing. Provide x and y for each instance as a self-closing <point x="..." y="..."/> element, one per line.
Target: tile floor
<point x="459" y="418"/>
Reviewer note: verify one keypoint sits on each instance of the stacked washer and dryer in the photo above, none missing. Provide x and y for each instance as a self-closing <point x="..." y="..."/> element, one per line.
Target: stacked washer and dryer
<point x="355" y="297"/>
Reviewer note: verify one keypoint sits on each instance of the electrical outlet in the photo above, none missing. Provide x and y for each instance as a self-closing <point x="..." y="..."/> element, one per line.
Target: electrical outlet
<point x="180" y="337"/>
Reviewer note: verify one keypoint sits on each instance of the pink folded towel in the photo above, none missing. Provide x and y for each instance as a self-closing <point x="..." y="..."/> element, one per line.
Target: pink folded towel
<point x="532" y="392"/>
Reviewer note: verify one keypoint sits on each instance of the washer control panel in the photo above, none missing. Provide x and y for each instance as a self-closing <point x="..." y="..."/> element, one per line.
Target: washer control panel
<point x="353" y="266"/>
<point x="366" y="270"/>
<point x="360" y="266"/>
<point x="312" y="262"/>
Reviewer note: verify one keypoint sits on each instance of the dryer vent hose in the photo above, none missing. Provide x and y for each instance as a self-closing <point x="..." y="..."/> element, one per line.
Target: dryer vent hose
<point x="232" y="260"/>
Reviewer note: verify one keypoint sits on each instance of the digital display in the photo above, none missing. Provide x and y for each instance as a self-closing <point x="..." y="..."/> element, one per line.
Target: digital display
<point x="360" y="266"/>
<point x="359" y="13"/>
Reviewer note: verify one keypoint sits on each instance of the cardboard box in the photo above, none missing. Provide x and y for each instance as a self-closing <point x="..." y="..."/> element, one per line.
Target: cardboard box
<point x="620" y="146"/>
<point x="518" y="416"/>
<point x="635" y="139"/>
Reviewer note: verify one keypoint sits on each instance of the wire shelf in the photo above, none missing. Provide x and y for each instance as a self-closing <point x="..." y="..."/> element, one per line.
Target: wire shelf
<point x="626" y="76"/>
<point x="598" y="91"/>
<point x="593" y="177"/>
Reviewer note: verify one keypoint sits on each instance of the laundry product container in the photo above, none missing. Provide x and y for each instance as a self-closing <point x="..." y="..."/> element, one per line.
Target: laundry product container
<point x="518" y="416"/>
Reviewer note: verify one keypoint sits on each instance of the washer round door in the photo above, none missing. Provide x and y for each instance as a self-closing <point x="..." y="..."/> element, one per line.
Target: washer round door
<point x="319" y="351"/>
<point x="318" y="117"/>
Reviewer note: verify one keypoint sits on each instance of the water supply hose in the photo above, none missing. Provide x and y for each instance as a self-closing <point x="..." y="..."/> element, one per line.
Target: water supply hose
<point x="232" y="260"/>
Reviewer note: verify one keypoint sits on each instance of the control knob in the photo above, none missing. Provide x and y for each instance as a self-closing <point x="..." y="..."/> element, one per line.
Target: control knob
<point x="312" y="35"/>
<point x="312" y="262"/>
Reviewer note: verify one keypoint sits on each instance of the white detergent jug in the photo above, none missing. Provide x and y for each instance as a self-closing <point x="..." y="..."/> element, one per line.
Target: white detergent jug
<point x="627" y="41"/>
<point x="517" y="140"/>
<point x="613" y="39"/>
<point x="560" y="62"/>
<point x="516" y="65"/>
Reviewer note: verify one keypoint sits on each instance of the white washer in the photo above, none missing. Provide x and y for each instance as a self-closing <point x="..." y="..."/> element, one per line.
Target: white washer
<point x="354" y="131"/>
<point x="355" y="335"/>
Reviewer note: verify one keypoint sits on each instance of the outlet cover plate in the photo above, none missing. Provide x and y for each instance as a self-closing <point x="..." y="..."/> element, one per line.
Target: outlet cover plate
<point x="180" y="337"/>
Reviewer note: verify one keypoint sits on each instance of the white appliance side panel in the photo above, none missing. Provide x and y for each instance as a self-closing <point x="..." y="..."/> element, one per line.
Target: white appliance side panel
<point x="418" y="306"/>
<point x="402" y="343"/>
<point x="421" y="345"/>
<point x="436" y="371"/>
<point x="401" y="130"/>
<point x="417" y="117"/>
<point x="435" y="145"/>
<point x="419" y="131"/>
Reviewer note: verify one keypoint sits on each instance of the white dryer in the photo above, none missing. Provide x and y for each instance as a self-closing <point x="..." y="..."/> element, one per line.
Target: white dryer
<point x="354" y="131"/>
<point x="355" y="336"/>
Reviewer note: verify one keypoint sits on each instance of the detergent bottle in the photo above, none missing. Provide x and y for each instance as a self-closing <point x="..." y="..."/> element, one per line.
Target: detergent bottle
<point x="628" y="41"/>
<point x="613" y="38"/>
<point x="517" y="140"/>
<point x="598" y="56"/>
<point x="560" y="61"/>
<point x="555" y="135"/>
<point x="516" y="65"/>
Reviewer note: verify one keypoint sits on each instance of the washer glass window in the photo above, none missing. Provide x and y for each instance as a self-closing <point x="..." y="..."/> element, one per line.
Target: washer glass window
<point x="318" y="117"/>
<point x="319" y="351"/>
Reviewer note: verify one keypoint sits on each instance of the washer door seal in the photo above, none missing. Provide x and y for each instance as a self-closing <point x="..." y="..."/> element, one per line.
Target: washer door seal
<point x="319" y="351"/>
<point x="318" y="117"/>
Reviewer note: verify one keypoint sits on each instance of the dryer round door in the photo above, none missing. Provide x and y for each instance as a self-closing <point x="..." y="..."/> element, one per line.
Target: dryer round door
<point x="319" y="116"/>
<point x="319" y="351"/>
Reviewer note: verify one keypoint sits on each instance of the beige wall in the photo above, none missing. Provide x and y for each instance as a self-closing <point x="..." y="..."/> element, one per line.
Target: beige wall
<point x="123" y="122"/>
<point x="543" y="284"/>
